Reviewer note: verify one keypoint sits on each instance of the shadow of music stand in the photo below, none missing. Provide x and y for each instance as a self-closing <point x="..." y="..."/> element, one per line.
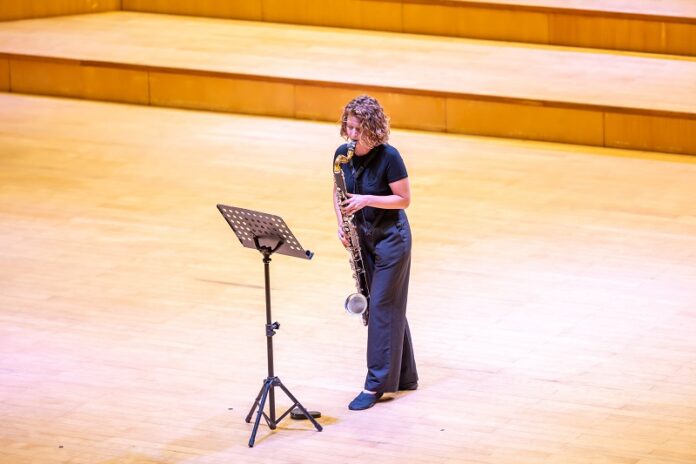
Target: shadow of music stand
<point x="268" y="234"/>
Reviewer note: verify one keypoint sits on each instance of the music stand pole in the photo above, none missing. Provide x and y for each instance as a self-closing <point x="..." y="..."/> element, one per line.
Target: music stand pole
<point x="269" y="328"/>
<point x="267" y="234"/>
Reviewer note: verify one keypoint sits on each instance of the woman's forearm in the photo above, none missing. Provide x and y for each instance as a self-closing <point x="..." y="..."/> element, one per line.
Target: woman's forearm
<point x="387" y="201"/>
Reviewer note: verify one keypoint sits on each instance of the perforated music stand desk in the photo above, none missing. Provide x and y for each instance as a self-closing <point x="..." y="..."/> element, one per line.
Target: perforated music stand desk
<point x="268" y="234"/>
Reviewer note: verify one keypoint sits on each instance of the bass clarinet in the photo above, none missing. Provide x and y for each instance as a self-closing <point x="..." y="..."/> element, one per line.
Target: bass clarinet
<point x="356" y="303"/>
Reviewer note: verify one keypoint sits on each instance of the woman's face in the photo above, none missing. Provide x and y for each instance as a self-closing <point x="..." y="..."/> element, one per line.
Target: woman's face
<point x="354" y="133"/>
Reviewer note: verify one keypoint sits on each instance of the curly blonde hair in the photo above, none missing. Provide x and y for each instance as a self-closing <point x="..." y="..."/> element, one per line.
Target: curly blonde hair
<point x="374" y="124"/>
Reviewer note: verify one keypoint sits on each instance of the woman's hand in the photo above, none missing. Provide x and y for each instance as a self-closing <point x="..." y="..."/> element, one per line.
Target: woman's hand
<point x="355" y="203"/>
<point x="342" y="237"/>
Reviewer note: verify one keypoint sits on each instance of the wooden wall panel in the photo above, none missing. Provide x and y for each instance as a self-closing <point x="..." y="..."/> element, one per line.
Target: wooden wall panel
<point x="357" y="14"/>
<point x="222" y="94"/>
<point x="233" y="9"/>
<point x="577" y="30"/>
<point x="21" y="9"/>
<point x="680" y="39"/>
<point x="511" y="25"/>
<point x="430" y="19"/>
<point x="498" y="22"/>
<point x="419" y="112"/>
<point x="74" y="80"/>
<point x="610" y="33"/>
<point x="338" y="13"/>
<point x="320" y="103"/>
<point x="406" y="111"/>
<point x="481" y="23"/>
<point x="381" y="16"/>
<point x="4" y="75"/>
<point x="514" y="120"/>
<point x="375" y="15"/>
<point x="652" y="133"/>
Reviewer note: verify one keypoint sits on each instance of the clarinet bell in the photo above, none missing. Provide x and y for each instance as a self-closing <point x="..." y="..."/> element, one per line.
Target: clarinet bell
<point x="356" y="304"/>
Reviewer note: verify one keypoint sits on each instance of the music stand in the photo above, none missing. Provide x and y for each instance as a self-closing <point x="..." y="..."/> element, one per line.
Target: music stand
<point x="268" y="234"/>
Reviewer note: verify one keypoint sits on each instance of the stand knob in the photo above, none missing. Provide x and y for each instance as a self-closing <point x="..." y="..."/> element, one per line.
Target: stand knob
<point x="271" y="328"/>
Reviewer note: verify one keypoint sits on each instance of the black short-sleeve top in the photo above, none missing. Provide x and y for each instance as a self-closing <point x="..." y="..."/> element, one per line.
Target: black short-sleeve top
<point x="374" y="171"/>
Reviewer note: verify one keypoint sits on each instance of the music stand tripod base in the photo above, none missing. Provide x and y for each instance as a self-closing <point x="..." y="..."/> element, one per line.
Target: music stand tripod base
<point x="268" y="234"/>
<point x="297" y="414"/>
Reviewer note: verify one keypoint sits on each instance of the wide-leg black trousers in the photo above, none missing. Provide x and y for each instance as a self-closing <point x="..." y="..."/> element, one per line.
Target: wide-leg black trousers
<point x="387" y="259"/>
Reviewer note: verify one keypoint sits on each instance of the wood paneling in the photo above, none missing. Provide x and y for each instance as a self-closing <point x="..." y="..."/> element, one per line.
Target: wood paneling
<point x="417" y="64"/>
<point x="339" y="13"/>
<point x="4" y="75"/>
<point x="75" y="80"/>
<point x="247" y="9"/>
<point x="359" y="14"/>
<point x="421" y="112"/>
<point x="405" y="111"/>
<point x="480" y="23"/>
<point x="427" y="83"/>
<point x="581" y="28"/>
<point x="611" y="33"/>
<point x="654" y="133"/>
<point x="323" y="103"/>
<point x="661" y="27"/>
<point x="222" y="94"/>
<point x="381" y="16"/>
<point x="680" y="39"/>
<point x="536" y="122"/>
<point x="677" y="9"/>
<point x="22" y="9"/>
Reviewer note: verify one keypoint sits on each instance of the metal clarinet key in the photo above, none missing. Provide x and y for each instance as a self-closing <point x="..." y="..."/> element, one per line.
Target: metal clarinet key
<point x="356" y="303"/>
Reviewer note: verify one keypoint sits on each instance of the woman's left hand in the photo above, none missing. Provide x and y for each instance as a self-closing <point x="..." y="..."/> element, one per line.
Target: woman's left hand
<point x="355" y="203"/>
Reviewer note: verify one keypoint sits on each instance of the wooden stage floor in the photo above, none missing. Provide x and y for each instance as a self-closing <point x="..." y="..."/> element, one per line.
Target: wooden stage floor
<point x="553" y="296"/>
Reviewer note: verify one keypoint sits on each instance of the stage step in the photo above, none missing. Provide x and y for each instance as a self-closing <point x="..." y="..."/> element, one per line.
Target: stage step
<point x="634" y="101"/>
<point x="653" y="26"/>
<point x="657" y="26"/>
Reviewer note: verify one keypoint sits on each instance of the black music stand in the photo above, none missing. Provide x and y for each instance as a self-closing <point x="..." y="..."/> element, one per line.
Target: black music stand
<point x="268" y="234"/>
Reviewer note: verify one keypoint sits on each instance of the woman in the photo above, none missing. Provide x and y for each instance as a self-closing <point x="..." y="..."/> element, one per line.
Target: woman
<point x="378" y="192"/>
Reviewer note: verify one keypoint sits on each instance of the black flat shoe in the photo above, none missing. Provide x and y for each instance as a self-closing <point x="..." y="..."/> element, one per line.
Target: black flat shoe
<point x="364" y="401"/>
<point x="409" y="386"/>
